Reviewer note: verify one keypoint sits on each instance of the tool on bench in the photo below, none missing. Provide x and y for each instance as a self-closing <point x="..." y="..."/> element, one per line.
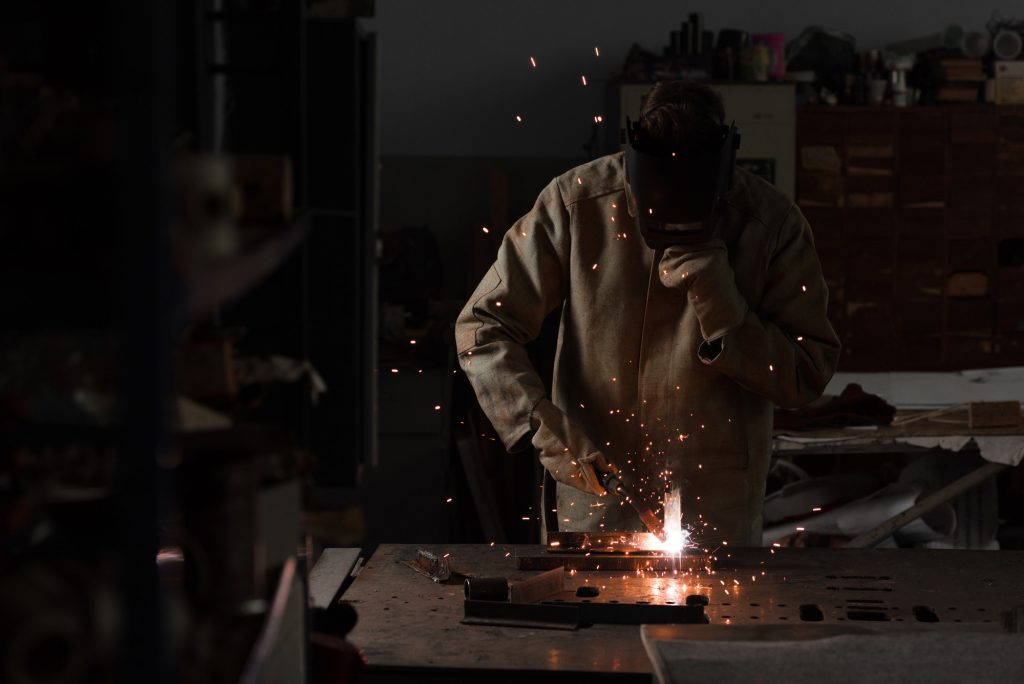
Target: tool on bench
<point x="614" y="485"/>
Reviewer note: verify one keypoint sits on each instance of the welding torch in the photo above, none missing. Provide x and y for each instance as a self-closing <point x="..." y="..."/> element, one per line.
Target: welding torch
<point x="613" y="485"/>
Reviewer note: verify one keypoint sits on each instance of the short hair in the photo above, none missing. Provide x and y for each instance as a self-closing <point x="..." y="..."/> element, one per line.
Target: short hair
<point x="676" y="114"/>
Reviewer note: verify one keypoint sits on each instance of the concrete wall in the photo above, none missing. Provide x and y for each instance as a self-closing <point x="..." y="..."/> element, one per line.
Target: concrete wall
<point x="455" y="73"/>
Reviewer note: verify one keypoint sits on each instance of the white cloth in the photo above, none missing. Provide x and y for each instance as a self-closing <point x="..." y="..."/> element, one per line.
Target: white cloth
<point x="1008" y="449"/>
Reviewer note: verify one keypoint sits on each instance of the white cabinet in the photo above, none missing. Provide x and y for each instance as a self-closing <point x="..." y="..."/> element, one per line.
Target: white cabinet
<point x="765" y="115"/>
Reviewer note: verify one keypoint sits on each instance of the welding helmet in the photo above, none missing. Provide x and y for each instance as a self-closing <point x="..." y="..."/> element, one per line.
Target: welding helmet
<point x="676" y="189"/>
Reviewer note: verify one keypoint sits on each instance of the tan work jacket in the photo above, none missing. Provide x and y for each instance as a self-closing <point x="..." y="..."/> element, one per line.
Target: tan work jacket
<point x="627" y="372"/>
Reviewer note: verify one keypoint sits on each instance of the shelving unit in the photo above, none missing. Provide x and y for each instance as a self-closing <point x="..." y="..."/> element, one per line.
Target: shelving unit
<point x="919" y="225"/>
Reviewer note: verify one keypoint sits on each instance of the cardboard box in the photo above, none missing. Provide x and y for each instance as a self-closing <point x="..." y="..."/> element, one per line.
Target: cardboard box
<point x="1009" y="83"/>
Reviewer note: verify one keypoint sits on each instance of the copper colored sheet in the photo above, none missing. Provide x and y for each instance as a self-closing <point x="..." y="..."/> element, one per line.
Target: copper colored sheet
<point x="612" y="562"/>
<point x="603" y="542"/>
<point x="614" y="551"/>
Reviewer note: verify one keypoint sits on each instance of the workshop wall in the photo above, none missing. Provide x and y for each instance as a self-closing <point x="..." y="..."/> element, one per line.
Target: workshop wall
<point x="454" y="74"/>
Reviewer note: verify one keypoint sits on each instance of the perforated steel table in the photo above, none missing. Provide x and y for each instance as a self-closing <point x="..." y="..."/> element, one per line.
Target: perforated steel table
<point x="409" y="627"/>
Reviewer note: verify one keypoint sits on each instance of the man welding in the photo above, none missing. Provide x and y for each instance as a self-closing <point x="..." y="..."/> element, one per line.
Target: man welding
<point x="693" y="302"/>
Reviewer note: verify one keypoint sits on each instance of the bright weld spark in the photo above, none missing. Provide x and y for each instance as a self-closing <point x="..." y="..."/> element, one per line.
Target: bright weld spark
<point x="533" y="62"/>
<point x="579" y="181"/>
<point x="519" y="118"/>
<point x="508" y="554"/>
<point x="597" y="52"/>
<point x="486" y="229"/>
<point x="594" y="267"/>
<point x="799" y="529"/>
<point x="583" y="79"/>
<point x="771" y="367"/>
<point x="804" y="288"/>
<point x="497" y="304"/>
<point x="799" y="338"/>
<point x="437" y="407"/>
<point x="448" y="500"/>
<point x="394" y="370"/>
<point x="816" y="509"/>
<point x="412" y="341"/>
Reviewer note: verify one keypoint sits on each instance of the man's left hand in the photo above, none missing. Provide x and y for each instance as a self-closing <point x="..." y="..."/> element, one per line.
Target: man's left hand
<point x="703" y="271"/>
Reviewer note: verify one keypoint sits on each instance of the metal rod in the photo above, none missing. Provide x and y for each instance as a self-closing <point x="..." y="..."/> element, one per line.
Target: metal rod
<point x="272" y="625"/>
<point x="925" y="505"/>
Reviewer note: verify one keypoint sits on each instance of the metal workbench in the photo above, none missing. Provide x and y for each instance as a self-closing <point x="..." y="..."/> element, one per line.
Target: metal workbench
<point x="409" y="627"/>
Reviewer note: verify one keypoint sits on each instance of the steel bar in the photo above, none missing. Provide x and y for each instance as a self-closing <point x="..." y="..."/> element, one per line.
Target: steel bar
<point x="928" y="503"/>
<point x="580" y="613"/>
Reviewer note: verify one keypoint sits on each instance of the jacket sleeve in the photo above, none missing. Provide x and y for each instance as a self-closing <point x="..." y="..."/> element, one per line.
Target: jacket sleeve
<point x="528" y="280"/>
<point x="785" y="348"/>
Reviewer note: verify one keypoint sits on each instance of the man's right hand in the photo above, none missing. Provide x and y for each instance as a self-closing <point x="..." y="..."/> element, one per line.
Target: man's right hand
<point x="583" y="473"/>
<point x="566" y="452"/>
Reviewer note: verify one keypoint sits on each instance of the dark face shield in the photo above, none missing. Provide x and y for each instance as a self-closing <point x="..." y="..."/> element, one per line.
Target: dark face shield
<point x="676" y="191"/>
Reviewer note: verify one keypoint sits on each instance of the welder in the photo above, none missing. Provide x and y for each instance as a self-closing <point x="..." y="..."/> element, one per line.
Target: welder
<point x="692" y="303"/>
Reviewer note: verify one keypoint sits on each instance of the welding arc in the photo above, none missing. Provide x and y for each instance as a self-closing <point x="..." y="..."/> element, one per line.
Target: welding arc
<point x="613" y="485"/>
